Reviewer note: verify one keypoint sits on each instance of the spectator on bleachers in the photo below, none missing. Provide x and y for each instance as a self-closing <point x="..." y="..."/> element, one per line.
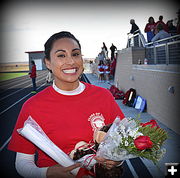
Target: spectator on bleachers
<point x="161" y="33"/>
<point x="113" y="49"/>
<point x="178" y="22"/>
<point x="171" y="28"/>
<point x="160" y="22"/>
<point x="134" y="27"/>
<point x="149" y="29"/>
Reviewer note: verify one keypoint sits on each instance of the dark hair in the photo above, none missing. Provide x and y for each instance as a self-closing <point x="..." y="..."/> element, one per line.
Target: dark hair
<point x="49" y="43"/>
<point x="150" y="19"/>
<point x="101" y="62"/>
<point x="32" y="62"/>
<point x="160" y="17"/>
<point x="160" y="26"/>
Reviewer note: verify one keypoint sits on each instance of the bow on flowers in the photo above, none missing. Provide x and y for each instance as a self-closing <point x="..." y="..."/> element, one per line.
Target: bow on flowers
<point x="88" y="161"/>
<point x="84" y="171"/>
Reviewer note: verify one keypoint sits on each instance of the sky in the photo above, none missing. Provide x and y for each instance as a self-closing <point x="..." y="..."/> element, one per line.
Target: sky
<point x="27" y="24"/>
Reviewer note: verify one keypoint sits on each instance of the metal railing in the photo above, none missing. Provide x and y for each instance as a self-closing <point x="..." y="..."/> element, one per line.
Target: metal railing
<point x="165" y="51"/>
<point x="164" y="40"/>
<point x="136" y="40"/>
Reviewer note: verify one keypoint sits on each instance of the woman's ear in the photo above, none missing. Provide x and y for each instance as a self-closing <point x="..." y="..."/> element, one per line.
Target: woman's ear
<point x="47" y="63"/>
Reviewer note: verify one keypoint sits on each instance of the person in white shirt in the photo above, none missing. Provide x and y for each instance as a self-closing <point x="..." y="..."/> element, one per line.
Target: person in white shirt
<point x="161" y="34"/>
<point x="49" y="77"/>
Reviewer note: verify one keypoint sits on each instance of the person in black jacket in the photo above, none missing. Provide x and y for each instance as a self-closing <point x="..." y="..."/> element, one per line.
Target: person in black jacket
<point x="134" y="27"/>
<point x="113" y="49"/>
<point x="134" y="30"/>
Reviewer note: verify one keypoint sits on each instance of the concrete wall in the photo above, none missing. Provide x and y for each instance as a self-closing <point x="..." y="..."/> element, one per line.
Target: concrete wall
<point x="151" y="82"/>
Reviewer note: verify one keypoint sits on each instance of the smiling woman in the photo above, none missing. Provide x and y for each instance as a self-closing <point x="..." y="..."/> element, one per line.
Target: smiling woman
<point x="64" y="60"/>
<point x="69" y="111"/>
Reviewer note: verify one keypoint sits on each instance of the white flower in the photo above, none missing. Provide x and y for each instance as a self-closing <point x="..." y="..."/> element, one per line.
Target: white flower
<point x="132" y="133"/>
<point x="117" y="135"/>
<point x="126" y="143"/>
<point x="137" y="135"/>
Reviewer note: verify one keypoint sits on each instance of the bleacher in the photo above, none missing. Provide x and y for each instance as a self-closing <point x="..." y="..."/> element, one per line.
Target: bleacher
<point x="164" y="51"/>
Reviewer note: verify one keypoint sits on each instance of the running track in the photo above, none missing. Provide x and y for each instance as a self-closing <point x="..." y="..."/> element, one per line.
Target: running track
<point x="13" y="93"/>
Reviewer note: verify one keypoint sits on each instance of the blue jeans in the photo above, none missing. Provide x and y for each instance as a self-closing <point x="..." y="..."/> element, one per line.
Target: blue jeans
<point x="34" y="84"/>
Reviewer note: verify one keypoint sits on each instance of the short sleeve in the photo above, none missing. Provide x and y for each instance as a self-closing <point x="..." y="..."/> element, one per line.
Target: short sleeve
<point x="18" y="143"/>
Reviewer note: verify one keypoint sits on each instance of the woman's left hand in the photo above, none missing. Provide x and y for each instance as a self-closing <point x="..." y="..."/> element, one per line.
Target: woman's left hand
<point x="109" y="164"/>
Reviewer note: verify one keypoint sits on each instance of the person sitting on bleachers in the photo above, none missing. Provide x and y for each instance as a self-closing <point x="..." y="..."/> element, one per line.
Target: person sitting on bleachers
<point x="162" y="23"/>
<point x="161" y="33"/>
<point x="178" y="22"/>
<point x="171" y="28"/>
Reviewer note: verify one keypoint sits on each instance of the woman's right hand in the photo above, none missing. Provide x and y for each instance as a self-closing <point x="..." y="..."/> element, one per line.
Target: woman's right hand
<point x="58" y="171"/>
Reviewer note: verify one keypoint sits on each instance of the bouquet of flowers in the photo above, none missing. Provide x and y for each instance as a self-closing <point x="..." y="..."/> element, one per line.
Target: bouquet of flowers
<point x="128" y="138"/>
<point x="123" y="139"/>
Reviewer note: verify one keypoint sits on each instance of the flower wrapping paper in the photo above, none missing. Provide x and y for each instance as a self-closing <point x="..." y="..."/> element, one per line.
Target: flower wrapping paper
<point x="33" y="132"/>
<point x="109" y="147"/>
<point x="120" y="129"/>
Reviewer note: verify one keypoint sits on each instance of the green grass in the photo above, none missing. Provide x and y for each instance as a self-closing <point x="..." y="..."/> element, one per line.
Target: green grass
<point x="7" y="76"/>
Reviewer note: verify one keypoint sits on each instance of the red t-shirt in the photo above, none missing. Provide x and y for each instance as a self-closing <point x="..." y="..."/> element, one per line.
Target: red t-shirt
<point x="107" y="68"/>
<point x="33" y="72"/>
<point x="66" y="120"/>
<point x="101" y="68"/>
<point x="163" y="24"/>
<point x="150" y="27"/>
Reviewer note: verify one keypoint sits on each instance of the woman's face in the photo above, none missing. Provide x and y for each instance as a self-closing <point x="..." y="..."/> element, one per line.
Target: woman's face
<point x="151" y="20"/>
<point x="65" y="62"/>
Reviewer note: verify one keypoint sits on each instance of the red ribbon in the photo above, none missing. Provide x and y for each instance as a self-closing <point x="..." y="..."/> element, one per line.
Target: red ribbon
<point x="83" y="171"/>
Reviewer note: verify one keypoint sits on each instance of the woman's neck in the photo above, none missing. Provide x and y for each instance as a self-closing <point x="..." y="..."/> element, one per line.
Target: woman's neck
<point x="75" y="91"/>
<point x="66" y="86"/>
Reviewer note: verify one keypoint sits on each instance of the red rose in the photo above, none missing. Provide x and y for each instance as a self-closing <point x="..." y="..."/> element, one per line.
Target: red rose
<point x="153" y="123"/>
<point x="143" y="142"/>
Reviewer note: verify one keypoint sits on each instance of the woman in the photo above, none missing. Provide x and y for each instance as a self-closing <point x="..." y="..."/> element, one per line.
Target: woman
<point x="105" y="50"/>
<point x="107" y="70"/>
<point x="149" y="29"/>
<point x="101" y="70"/>
<point x="33" y="76"/>
<point x="68" y="112"/>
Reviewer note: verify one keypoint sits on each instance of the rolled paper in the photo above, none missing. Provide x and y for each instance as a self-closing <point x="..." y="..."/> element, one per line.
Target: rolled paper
<point x="46" y="145"/>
